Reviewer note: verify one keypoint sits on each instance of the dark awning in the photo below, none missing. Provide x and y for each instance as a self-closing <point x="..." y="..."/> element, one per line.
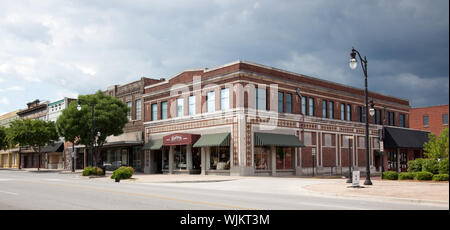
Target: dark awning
<point x="57" y="147"/>
<point x="217" y="139"/>
<point x="282" y="140"/>
<point x="404" y="138"/>
<point x="153" y="144"/>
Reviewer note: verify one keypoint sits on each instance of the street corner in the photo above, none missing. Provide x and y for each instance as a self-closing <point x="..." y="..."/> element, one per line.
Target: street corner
<point x="418" y="192"/>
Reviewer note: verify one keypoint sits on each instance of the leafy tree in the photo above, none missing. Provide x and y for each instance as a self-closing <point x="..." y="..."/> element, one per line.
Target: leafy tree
<point x="110" y="117"/>
<point x="437" y="148"/>
<point x="33" y="133"/>
<point x="3" y="140"/>
<point x="68" y="124"/>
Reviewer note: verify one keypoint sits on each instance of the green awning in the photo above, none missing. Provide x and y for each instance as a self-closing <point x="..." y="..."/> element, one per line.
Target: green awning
<point x="153" y="144"/>
<point x="218" y="139"/>
<point x="282" y="140"/>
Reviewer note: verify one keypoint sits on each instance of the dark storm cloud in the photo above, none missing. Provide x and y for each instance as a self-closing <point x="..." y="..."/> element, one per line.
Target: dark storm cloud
<point x="81" y="46"/>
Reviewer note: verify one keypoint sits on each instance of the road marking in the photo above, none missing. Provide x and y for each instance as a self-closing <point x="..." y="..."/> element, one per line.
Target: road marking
<point x="149" y="196"/>
<point x="10" y="193"/>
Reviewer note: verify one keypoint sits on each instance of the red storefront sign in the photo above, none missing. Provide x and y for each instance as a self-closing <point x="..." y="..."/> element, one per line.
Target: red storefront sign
<point x="180" y="139"/>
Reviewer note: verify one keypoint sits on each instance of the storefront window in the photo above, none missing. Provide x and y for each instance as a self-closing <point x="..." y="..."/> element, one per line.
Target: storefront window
<point x="262" y="158"/>
<point x="285" y="158"/>
<point x="220" y="158"/>
<point x="136" y="158"/>
<point x="180" y="157"/>
<point x="165" y="157"/>
<point x="113" y="159"/>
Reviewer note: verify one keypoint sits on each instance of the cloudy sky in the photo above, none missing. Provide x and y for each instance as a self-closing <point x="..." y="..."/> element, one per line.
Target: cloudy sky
<point x="51" y="49"/>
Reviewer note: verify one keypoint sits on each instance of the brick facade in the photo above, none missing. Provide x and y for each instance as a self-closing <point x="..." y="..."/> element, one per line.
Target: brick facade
<point x="242" y="78"/>
<point x="435" y="118"/>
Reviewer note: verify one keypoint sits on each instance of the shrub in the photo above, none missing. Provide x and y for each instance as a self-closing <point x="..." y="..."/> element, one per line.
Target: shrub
<point x="424" y="176"/>
<point x="415" y="165"/>
<point x="443" y="166"/>
<point x="440" y="177"/>
<point x="88" y="171"/>
<point x="431" y="166"/>
<point x="390" y="175"/>
<point x="123" y="173"/>
<point x="406" y="176"/>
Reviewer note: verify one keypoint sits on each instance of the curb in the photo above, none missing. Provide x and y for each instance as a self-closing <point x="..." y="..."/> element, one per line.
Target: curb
<point x="193" y="181"/>
<point x="377" y="198"/>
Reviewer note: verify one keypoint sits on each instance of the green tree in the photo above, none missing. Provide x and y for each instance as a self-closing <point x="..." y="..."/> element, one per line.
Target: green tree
<point x="33" y="133"/>
<point x="3" y="141"/>
<point x="110" y="117"/>
<point x="437" y="148"/>
<point x="68" y="124"/>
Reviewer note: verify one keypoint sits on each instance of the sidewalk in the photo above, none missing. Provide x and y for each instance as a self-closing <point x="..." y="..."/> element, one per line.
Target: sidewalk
<point x="413" y="191"/>
<point x="171" y="178"/>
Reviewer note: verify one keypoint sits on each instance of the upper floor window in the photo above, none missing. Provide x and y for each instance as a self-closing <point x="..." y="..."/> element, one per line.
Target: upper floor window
<point x="280" y="102"/>
<point x="261" y="99"/>
<point x="324" y="108"/>
<point x="191" y="105"/>
<point x="402" y="120"/>
<point x="445" y="119"/>
<point x="224" y="99"/>
<point x="154" y="112"/>
<point x="288" y="103"/>
<point x="380" y="118"/>
<point x="392" y="118"/>
<point x="349" y="112"/>
<point x="343" y="112"/>
<point x="360" y="114"/>
<point x="331" y="110"/>
<point x="210" y="102"/>
<point x="311" y="107"/>
<point x="304" y="105"/>
<point x="138" y="109"/>
<point x="129" y="105"/>
<point x="180" y="107"/>
<point x="426" y="121"/>
<point x="164" y="110"/>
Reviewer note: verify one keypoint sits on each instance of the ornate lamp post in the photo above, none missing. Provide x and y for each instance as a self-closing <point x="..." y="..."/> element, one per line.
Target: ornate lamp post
<point x="353" y="64"/>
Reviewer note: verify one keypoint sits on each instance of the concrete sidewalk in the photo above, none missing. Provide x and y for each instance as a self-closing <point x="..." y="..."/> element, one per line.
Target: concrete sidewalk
<point x="174" y="178"/>
<point x="412" y="191"/>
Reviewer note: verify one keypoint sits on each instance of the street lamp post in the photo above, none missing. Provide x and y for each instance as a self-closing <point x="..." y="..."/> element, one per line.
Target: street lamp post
<point x="353" y="64"/>
<point x="93" y="136"/>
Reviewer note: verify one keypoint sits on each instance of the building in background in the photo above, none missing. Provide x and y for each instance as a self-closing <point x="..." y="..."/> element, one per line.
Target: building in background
<point x="27" y="157"/>
<point x="9" y="158"/>
<point x="125" y="149"/>
<point x="54" y="109"/>
<point x="432" y="118"/>
<point x="7" y="118"/>
<point x="58" y="155"/>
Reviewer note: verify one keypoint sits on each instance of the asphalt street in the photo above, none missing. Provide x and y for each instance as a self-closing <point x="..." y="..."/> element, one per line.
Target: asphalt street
<point x="22" y="190"/>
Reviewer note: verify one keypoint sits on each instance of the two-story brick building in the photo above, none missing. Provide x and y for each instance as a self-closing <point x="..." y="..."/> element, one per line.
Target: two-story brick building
<point x="247" y="119"/>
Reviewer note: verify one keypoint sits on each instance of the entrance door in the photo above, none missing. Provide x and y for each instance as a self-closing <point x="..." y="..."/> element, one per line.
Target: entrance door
<point x="25" y="161"/>
<point x="392" y="161"/>
<point x="158" y="159"/>
<point x="403" y="162"/>
<point x="196" y="159"/>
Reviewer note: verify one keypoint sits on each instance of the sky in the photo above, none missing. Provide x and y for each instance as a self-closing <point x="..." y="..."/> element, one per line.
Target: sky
<point x="55" y="49"/>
